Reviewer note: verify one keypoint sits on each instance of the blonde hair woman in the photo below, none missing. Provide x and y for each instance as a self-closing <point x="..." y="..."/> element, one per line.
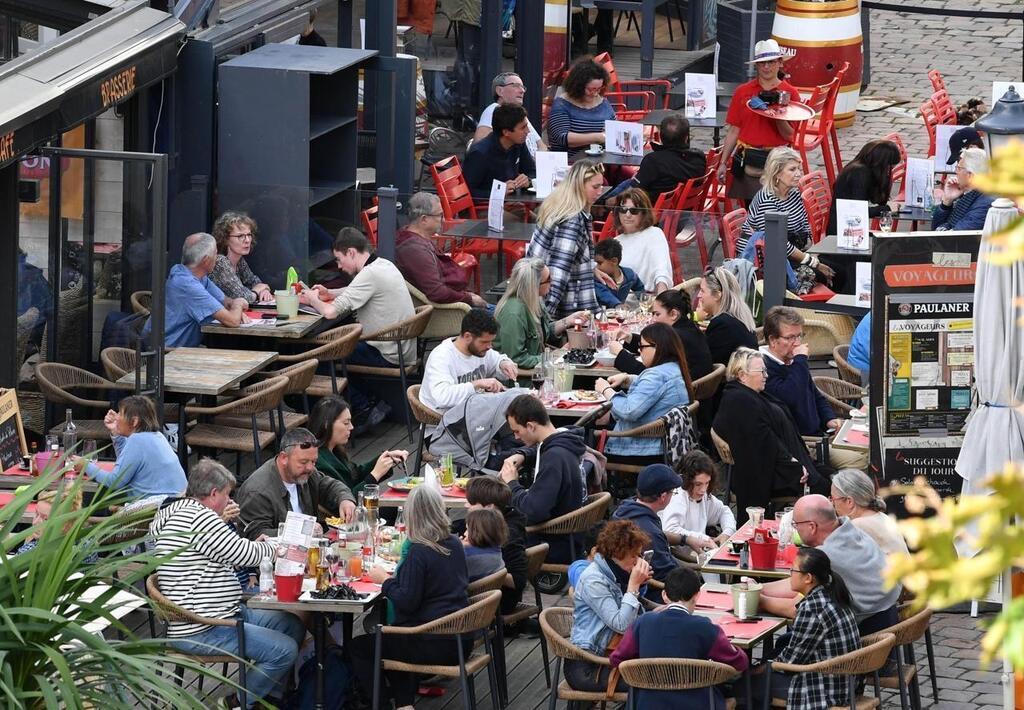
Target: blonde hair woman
<point x="782" y="173"/>
<point x="563" y="239"/>
<point x="732" y="323"/>
<point x="524" y="323"/>
<point x="428" y="584"/>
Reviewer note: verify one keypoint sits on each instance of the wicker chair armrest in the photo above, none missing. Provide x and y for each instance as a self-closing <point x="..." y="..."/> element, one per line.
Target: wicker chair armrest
<point x="675" y="673"/>
<point x="407" y="329"/>
<point x="849" y="663"/>
<point x="478" y="615"/>
<point x="172" y="612"/>
<point x="563" y="523"/>
<point x="255" y="396"/>
<point x="652" y="430"/>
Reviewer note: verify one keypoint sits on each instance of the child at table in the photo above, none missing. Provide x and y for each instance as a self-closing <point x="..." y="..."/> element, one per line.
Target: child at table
<point x="486" y="532"/>
<point x="608" y="256"/>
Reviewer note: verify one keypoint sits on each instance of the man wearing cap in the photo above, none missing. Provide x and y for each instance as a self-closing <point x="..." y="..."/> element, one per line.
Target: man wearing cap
<point x="751" y="135"/>
<point x="959" y="205"/>
<point x="654" y="487"/>
<point x="966" y="137"/>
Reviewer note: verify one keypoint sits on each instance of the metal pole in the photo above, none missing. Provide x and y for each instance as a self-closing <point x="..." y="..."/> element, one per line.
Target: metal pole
<point x="54" y="272"/>
<point x="404" y="114"/>
<point x="775" y="238"/>
<point x="345" y="23"/>
<point x="490" y="51"/>
<point x="387" y="221"/>
<point x="9" y="212"/>
<point x="530" y="64"/>
<point x="158" y="246"/>
<point x="753" y="37"/>
<point x="647" y="39"/>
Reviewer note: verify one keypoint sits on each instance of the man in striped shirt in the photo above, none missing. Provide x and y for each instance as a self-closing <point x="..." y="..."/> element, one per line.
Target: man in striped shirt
<point x="199" y="576"/>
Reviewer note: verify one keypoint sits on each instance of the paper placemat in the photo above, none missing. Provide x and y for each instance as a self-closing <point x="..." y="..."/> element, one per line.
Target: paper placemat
<point x="734" y="628"/>
<point x="707" y="599"/>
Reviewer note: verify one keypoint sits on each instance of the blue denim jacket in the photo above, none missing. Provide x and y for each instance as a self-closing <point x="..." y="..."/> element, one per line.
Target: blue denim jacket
<point x="655" y="391"/>
<point x="600" y="608"/>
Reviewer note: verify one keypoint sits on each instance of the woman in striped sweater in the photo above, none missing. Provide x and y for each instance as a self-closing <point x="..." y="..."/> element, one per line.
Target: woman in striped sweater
<point x="782" y="173"/>
<point x="577" y="117"/>
<point x="199" y="576"/>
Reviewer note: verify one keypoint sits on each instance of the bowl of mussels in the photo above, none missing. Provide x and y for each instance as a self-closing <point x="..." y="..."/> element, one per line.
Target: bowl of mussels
<point x="580" y="357"/>
<point x="336" y="592"/>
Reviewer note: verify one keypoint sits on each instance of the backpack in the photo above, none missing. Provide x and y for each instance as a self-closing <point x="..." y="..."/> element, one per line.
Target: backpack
<point x="467" y="430"/>
<point x="337" y="683"/>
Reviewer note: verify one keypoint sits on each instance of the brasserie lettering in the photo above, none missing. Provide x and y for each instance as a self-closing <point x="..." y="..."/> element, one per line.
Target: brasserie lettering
<point x="7" y="147"/>
<point x="118" y="87"/>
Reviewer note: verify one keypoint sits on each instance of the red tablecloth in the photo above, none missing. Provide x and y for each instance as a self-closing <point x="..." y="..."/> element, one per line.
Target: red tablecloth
<point x="736" y="629"/>
<point x="856" y="438"/>
<point x="17" y="471"/>
<point x="453" y="492"/>
<point x="7" y="496"/>
<point x="707" y="599"/>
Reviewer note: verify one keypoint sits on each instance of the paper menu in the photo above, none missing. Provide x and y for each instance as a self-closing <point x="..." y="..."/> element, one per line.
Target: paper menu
<point x="942" y="134"/>
<point x="863" y="276"/>
<point x="298" y="530"/>
<point x="700" y="95"/>
<point x="920" y="180"/>
<point x="623" y="138"/>
<point x="552" y="168"/>
<point x="496" y="206"/>
<point x="852" y="225"/>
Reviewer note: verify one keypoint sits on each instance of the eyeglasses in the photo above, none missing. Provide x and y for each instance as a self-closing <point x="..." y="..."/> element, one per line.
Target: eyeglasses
<point x="437" y="215"/>
<point x="797" y="570"/>
<point x="646" y="345"/>
<point x="801" y="522"/>
<point x="243" y="236"/>
<point x="301" y="445"/>
<point x="593" y="170"/>
<point x="629" y="210"/>
<point x="758" y="371"/>
<point x="795" y="336"/>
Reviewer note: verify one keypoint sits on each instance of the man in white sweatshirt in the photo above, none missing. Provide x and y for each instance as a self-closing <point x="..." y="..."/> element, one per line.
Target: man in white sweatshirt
<point x="379" y="297"/>
<point x="465" y="364"/>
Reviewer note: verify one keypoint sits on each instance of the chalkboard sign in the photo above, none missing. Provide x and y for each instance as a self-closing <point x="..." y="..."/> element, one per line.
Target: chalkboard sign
<point x="903" y="464"/>
<point x="12" y="435"/>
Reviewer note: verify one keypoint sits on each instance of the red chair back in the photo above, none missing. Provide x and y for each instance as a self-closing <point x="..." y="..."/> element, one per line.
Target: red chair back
<point x="607" y="229"/>
<point x="369" y="219"/>
<point x="605" y="60"/>
<point x="631" y="105"/>
<point x="899" y="172"/>
<point x="938" y="82"/>
<point x="817" y="202"/>
<point x="667" y="199"/>
<point x="452" y="189"/>
<point x="936" y="111"/>
<point x="732" y="224"/>
<point x="809" y="134"/>
<point x="812" y="179"/>
<point x="690" y="199"/>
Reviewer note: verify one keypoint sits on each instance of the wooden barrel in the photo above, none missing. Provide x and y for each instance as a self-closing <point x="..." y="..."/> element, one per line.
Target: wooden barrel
<point x="824" y="36"/>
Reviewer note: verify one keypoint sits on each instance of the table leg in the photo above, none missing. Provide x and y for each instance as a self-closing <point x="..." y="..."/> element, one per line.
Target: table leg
<point x="347" y="620"/>
<point x="501" y="262"/>
<point x="717" y="136"/>
<point x="319" y="641"/>
<point x="182" y="445"/>
<point x="746" y="680"/>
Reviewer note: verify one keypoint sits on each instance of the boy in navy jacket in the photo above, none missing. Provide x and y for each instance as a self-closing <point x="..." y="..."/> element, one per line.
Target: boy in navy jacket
<point x="608" y="254"/>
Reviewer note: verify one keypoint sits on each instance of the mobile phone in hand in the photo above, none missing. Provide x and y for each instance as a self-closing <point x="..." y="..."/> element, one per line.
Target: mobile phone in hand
<point x="648" y="556"/>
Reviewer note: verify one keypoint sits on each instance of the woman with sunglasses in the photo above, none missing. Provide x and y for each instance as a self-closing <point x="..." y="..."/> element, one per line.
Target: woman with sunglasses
<point x="731" y="323"/>
<point x="641" y="399"/>
<point x="235" y="233"/>
<point x="331" y="423"/>
<point x="672" y="308"/>
<point x="644" y="246"/>
<point x="577" y="116"/>
<point x="770" y="457"/>
<point x="563" y="239"/>
<point x="524" y="326"/>
<point x="825" y="627"/>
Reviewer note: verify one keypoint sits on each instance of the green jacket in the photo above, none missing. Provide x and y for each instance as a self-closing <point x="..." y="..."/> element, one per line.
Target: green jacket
<point x="354" y="475"/>
<point x="517" y="335"/>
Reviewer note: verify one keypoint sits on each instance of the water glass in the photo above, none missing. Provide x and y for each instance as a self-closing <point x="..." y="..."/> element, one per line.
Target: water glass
<point x="756" y="515"/>
<point x="885" y="222"/>
<point x="89" y="449"/>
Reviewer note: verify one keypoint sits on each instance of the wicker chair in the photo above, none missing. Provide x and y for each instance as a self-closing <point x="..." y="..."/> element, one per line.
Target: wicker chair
<point x="843" y="396"/>
<point x="535" y="557"/>
<point x="675" y="674"/>
<point x="58" y="382"/>
<point x="572" y="524"/>
<point x="847" y="372"/>
<point x="706" y="386"/>
<point x="426" y="417"/>
<point x="464" y="623"/>
<point x="446" y="319"/>
<point x="556" y="626"/>
<point x="822" y="331"/>
<point x="118" y="362"/>
<point x="652" y="430"/>
<point x="260" y="398"/>
<point x="141" y="302"/>
<point x="907" y="632"/>
<point x="299" y="377"/>
<point x="725" y="454"/>
<point x="869" y="658"/>
<point x="331" y="346"/>
<point x="408" y="329"/>
<point x="491" y="582"/>
<point x="168" y="611"/>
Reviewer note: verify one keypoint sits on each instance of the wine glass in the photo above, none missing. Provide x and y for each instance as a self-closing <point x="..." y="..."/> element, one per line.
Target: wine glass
<point x="537" y="378"/>
<point x="885" y="222"/>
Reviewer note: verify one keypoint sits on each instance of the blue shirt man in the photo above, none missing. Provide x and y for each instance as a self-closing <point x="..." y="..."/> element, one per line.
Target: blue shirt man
<point x="192" y="299"/>
<point x="503" y="155"/>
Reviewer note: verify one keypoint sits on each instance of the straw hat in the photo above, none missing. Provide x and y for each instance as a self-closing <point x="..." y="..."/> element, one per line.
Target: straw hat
<point x="768" y="50"/>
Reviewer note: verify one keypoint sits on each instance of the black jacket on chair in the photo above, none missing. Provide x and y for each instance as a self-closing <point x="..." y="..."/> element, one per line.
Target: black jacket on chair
<point x="768" y="451"/>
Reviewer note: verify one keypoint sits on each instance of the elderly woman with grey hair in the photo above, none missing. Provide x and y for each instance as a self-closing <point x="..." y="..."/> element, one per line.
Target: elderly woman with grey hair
<point x="853" y="495"/>
<point x="235" y="233"/>
<point x="430" y="582"/>
<point x="201" y="552"/>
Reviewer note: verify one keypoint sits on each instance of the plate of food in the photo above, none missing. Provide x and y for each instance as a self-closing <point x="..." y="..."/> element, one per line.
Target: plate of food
<point x="461" y="483"/>
<point x="579" y="357"/>
<point x="405" y="484"/>
<point x="588" y="396"/>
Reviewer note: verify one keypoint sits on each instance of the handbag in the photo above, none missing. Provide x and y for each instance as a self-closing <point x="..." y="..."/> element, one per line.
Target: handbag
<point x="753" y="161"/>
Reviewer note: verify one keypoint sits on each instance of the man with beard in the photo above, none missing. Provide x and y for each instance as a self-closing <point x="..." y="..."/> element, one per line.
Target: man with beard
<point x="291" y="482"/>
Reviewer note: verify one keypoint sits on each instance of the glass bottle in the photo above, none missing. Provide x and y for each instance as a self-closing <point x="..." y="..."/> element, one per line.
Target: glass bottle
<point x="323" y="572"/>
<point x="69" y="434"/>
<point x="33" y="465"/>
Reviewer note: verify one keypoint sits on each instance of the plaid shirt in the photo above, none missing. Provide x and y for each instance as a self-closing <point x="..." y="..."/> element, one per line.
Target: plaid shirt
<point x="821" y="630"/>
<point x="568" y="251"/>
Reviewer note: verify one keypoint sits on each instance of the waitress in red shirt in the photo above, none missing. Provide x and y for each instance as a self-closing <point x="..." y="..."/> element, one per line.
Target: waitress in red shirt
<point x="750" y="135"/>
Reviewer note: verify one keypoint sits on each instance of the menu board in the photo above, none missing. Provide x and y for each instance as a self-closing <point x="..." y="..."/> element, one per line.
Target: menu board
<point x="930" y="368"/>
<point x="12" y="435"/>
<point x="937" y="464"/>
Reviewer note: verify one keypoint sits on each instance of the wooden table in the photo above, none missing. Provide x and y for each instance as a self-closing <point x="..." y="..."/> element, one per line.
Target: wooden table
<point x="745" y="532"/>
<point x="850" y="439"/>
<point x="30" y="511"/>
<point x="204" y="371"/>
<point x="575" y="412"/>
<point x="319" y="611"/>
<point x="391" y="498"/>
<point x="295" y="327"/>
<point x="14" y="478"/>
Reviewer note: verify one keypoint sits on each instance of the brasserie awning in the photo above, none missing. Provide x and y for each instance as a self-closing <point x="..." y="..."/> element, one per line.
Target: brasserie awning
<point x="83" y="73"/>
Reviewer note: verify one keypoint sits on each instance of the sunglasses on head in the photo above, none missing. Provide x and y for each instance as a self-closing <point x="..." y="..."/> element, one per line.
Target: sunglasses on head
<point x="302" y="445"/>
<point x="630" y="210"/>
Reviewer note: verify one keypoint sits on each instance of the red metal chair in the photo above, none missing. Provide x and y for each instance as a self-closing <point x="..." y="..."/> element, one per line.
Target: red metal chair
<point x="369" y="220"/>
<point x="457" y="203"/>
<point x="716" y="200"/>
<point x="814" y="133"/>
<point x="631" y="105"/>
<point x="606" y="229"/>
<point x="817" y="199"/>
<point x="938" y="83"/>
<point x="937" y="111"/>
<point x="732" y="224"/>
<point x="659" y="87"/>
<point x="899" y="172"/>
<point x="691" y="199"/>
